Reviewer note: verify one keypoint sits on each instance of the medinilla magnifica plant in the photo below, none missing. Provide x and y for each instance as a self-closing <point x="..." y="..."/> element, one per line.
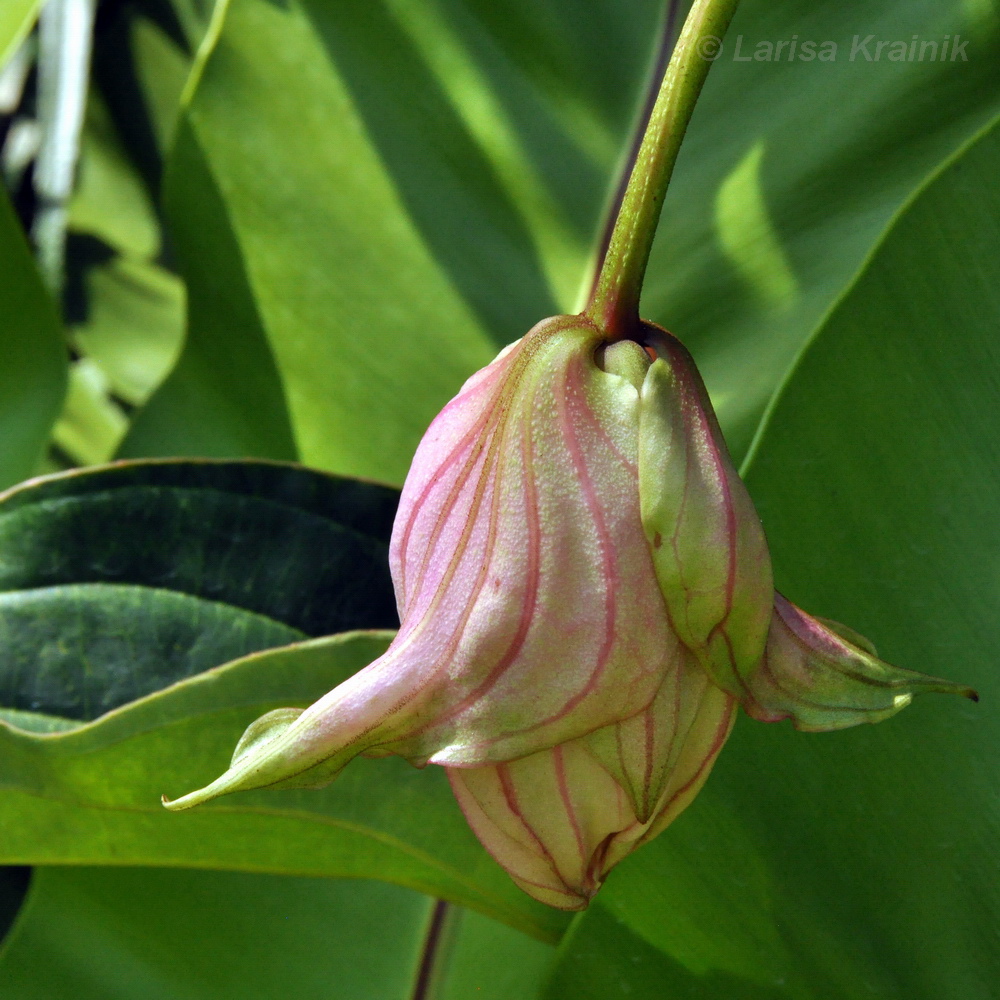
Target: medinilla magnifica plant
<point x="584" y="586"/>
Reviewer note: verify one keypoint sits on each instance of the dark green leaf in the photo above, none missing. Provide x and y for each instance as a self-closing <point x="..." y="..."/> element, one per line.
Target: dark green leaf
<point x="78" y="651"/>
<point x="484" y="960"/>
<point x="117" y="581"/>
<point x="14" y="882"/>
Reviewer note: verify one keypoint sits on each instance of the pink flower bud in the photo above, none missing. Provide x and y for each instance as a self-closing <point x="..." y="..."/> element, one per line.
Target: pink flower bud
<point x="585" y="592"/>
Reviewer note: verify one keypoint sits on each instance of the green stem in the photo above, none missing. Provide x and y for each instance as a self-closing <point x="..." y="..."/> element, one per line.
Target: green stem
<point x="614" y="299"/>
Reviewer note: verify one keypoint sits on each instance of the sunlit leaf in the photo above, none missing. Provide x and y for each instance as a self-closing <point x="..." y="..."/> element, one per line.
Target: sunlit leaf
<point x="17" y="17"/>
<point x="418" y="188"/>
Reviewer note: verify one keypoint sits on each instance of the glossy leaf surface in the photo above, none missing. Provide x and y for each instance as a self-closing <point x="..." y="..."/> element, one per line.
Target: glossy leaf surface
<point x="117" y="581"/>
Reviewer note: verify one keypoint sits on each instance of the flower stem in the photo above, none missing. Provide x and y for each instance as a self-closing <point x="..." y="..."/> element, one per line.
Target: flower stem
<point x="614" y="299"/>
<point x="432" y="946"/>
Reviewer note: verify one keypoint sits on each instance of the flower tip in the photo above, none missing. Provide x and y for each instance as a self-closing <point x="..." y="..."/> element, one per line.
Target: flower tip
<point x="191" y="799"/>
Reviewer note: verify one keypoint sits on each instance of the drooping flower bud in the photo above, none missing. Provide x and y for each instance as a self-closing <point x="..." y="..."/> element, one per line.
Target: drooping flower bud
<point x="585" y="592"/>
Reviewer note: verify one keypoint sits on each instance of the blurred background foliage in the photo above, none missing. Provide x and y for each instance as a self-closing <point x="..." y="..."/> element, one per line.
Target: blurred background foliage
<point x="287" y="230"/>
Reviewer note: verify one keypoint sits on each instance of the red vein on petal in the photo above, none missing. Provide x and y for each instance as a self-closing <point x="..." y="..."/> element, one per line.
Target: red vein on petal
<point x="478" y="437"/>
<point x="489" y="469"/>
<point x="718" y="741"/>
<point x="522" y="359"/>
<point x="610" y="570"/>
<point x="529" y="599"/>
<point x="590" y="417"/>
<point x="516" y="363"/>
<point x="607" y="558"/>
<point x="487" y="390"/>
<point x="510" y="797"/>
<point x="559" y="766"/>
<point x="462" y="791"/>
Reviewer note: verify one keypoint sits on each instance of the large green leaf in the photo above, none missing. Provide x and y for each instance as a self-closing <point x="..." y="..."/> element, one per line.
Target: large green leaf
<point x="792" y="169"/>
<point x="100" y="934"/>
<point x="90" y="794"/>
<point x="115" y="582"/>
<point x="860" y="863"/>
<point x="33" y="371"/>
<point x="225" y="397"/>
<point x="420" y="184"/>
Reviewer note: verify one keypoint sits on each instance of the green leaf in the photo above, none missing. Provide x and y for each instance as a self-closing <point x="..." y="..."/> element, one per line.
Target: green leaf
<point x="14" y="882"/>
<point x="792" y="169"/>
<point x="115" y="582"/>
<point x="162" y="68"/>
<point x="602" y="957"/>
<point x="224" y="398"/>
<point x="33" y="373"/>
<point x="116" y="934"/>
<point x="17" y="17"/>
<point x="91" y="794"/>
<point x="478" y="144"/>
<point x="105" y="934"/>
<point x="67" y="652"/>
<point x="859" y="863"/>
<point x="420" y="186"/>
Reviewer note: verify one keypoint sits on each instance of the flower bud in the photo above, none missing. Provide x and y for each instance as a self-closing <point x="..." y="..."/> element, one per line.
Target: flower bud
<point x="585" y="593"/>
